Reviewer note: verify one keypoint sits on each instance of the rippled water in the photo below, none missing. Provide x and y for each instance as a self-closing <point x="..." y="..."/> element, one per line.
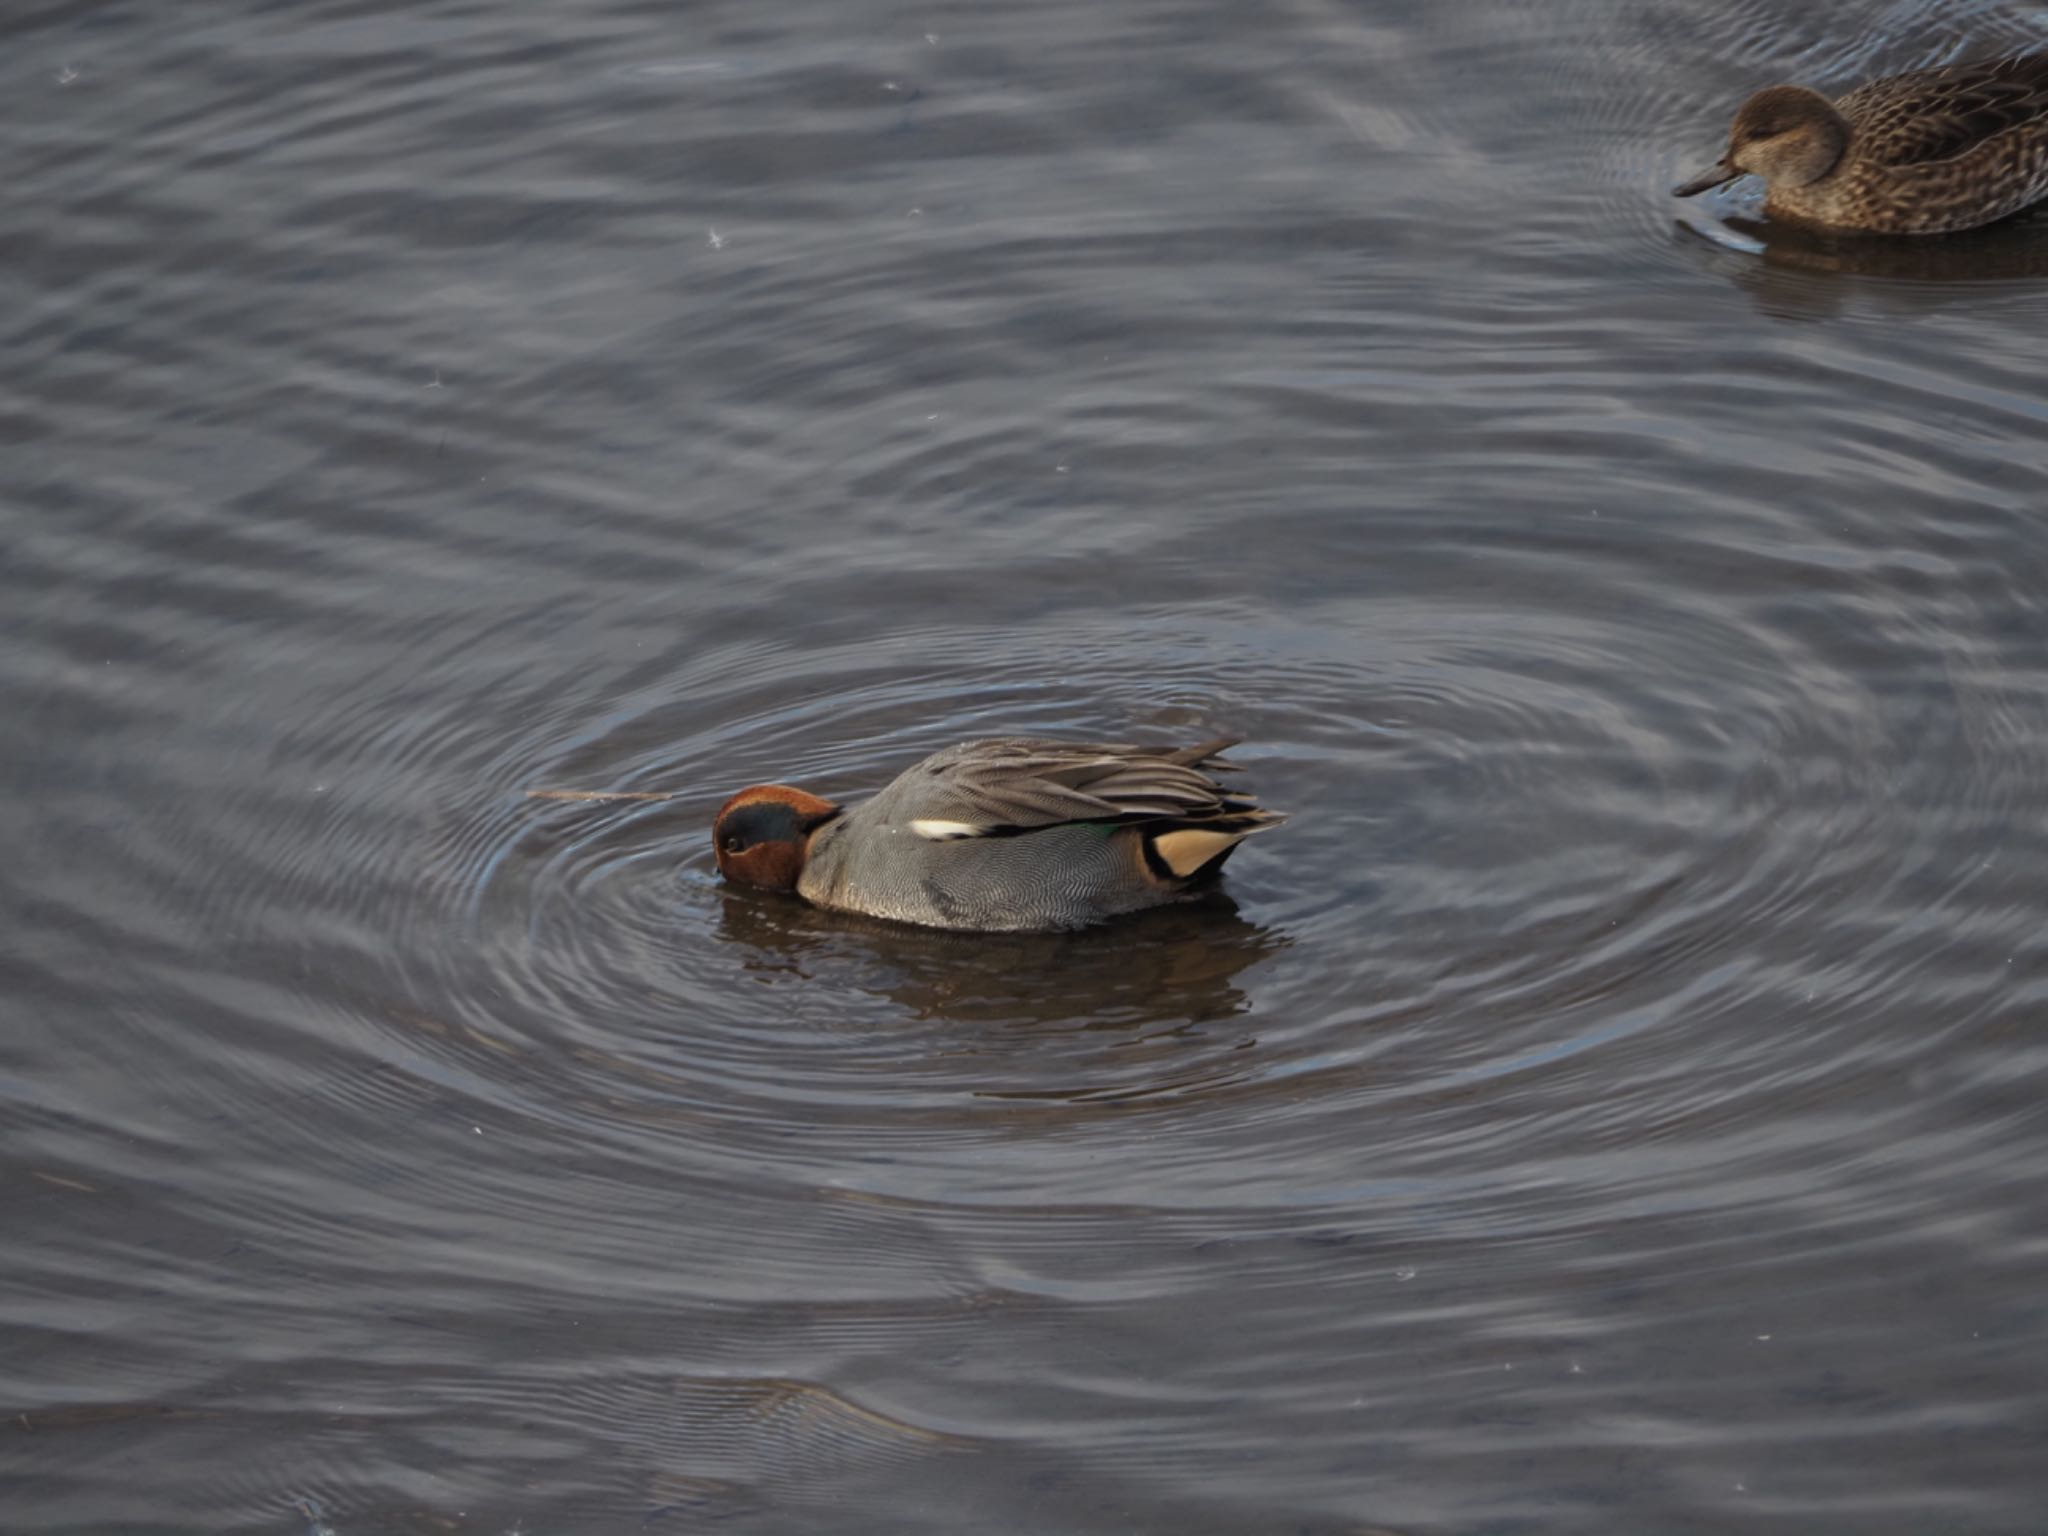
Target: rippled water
<point x="1615" y="1102"/>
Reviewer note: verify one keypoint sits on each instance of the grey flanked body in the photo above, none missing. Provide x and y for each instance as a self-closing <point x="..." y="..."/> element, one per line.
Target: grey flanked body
<point x="1062" y="877"/>
<point x="1023" y="833"/>
<point x="1926" y="153"/>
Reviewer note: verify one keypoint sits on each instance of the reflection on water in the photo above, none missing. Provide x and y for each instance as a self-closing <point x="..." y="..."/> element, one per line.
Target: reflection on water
<point x="2014" y="250"/>
<point x="1794" y="273"/>
<point x="1613" y="1102"/>
<point x="1172" y="965"/>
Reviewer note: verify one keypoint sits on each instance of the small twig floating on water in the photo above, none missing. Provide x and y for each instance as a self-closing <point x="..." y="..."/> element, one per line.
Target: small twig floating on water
<point x="602" y="794"/>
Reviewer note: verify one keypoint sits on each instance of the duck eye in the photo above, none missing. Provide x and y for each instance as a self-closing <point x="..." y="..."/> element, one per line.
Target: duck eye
<point x="735" y="844"/>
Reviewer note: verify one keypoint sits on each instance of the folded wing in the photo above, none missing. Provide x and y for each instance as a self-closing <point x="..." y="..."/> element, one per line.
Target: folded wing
<point x="1020" y="785"/>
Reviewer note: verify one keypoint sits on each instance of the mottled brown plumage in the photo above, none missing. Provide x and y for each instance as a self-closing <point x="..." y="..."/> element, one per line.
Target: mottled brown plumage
<point x="1918" y="154"/>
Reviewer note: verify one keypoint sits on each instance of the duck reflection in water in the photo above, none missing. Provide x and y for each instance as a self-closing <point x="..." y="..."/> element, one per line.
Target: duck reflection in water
<point x="1796" y="273"/>
<point x="1171" y="965"/>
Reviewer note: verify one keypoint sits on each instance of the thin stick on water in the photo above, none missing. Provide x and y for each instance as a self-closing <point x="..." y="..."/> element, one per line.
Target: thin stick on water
<point x="602" y="794"/>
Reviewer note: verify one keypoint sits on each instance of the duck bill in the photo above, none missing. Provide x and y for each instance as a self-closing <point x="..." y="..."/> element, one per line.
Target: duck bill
<point x="1719" y="174"/>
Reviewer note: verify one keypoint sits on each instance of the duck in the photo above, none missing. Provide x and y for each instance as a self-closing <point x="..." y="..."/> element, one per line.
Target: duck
<point x="1012" y="834"/>
<point x="1925" y="153"/>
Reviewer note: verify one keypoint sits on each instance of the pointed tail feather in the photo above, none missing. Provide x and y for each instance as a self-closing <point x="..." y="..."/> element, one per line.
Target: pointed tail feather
<point x="1199" y="756"/>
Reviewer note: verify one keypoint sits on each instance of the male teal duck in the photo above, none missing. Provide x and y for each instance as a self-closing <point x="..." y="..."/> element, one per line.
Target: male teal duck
<point x="1920" y="154"/>
<point x="1007" y="835"/>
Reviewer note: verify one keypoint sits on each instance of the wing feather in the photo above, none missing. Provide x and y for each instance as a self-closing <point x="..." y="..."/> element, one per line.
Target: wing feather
<point x="1939" y="114"/>
<point x="1024" y="784"/>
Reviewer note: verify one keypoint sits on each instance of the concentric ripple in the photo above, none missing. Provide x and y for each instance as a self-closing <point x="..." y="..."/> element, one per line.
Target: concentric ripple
<point x="1612" y="1101"/>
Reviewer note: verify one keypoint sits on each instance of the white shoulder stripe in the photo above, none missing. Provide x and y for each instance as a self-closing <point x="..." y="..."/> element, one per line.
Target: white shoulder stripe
<point x="943" y="831"/>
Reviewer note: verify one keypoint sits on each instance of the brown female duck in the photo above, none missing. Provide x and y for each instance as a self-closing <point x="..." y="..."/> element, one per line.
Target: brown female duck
<point x="1919" y="154"/>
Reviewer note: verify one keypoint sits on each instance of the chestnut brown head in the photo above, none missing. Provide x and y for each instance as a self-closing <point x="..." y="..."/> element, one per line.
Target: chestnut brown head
<point x="762" y="834"/>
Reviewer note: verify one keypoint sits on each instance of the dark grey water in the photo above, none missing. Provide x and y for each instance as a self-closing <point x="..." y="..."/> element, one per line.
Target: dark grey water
<point x="1614" y="1104"/>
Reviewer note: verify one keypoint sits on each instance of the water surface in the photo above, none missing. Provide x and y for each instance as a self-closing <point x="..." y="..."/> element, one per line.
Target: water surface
<point x="1613" y="1104"/>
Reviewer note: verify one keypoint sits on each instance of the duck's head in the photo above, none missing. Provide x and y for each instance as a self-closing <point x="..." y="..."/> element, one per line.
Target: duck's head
<point x="1787" y="134"/>
<point x="763" y="834"/>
